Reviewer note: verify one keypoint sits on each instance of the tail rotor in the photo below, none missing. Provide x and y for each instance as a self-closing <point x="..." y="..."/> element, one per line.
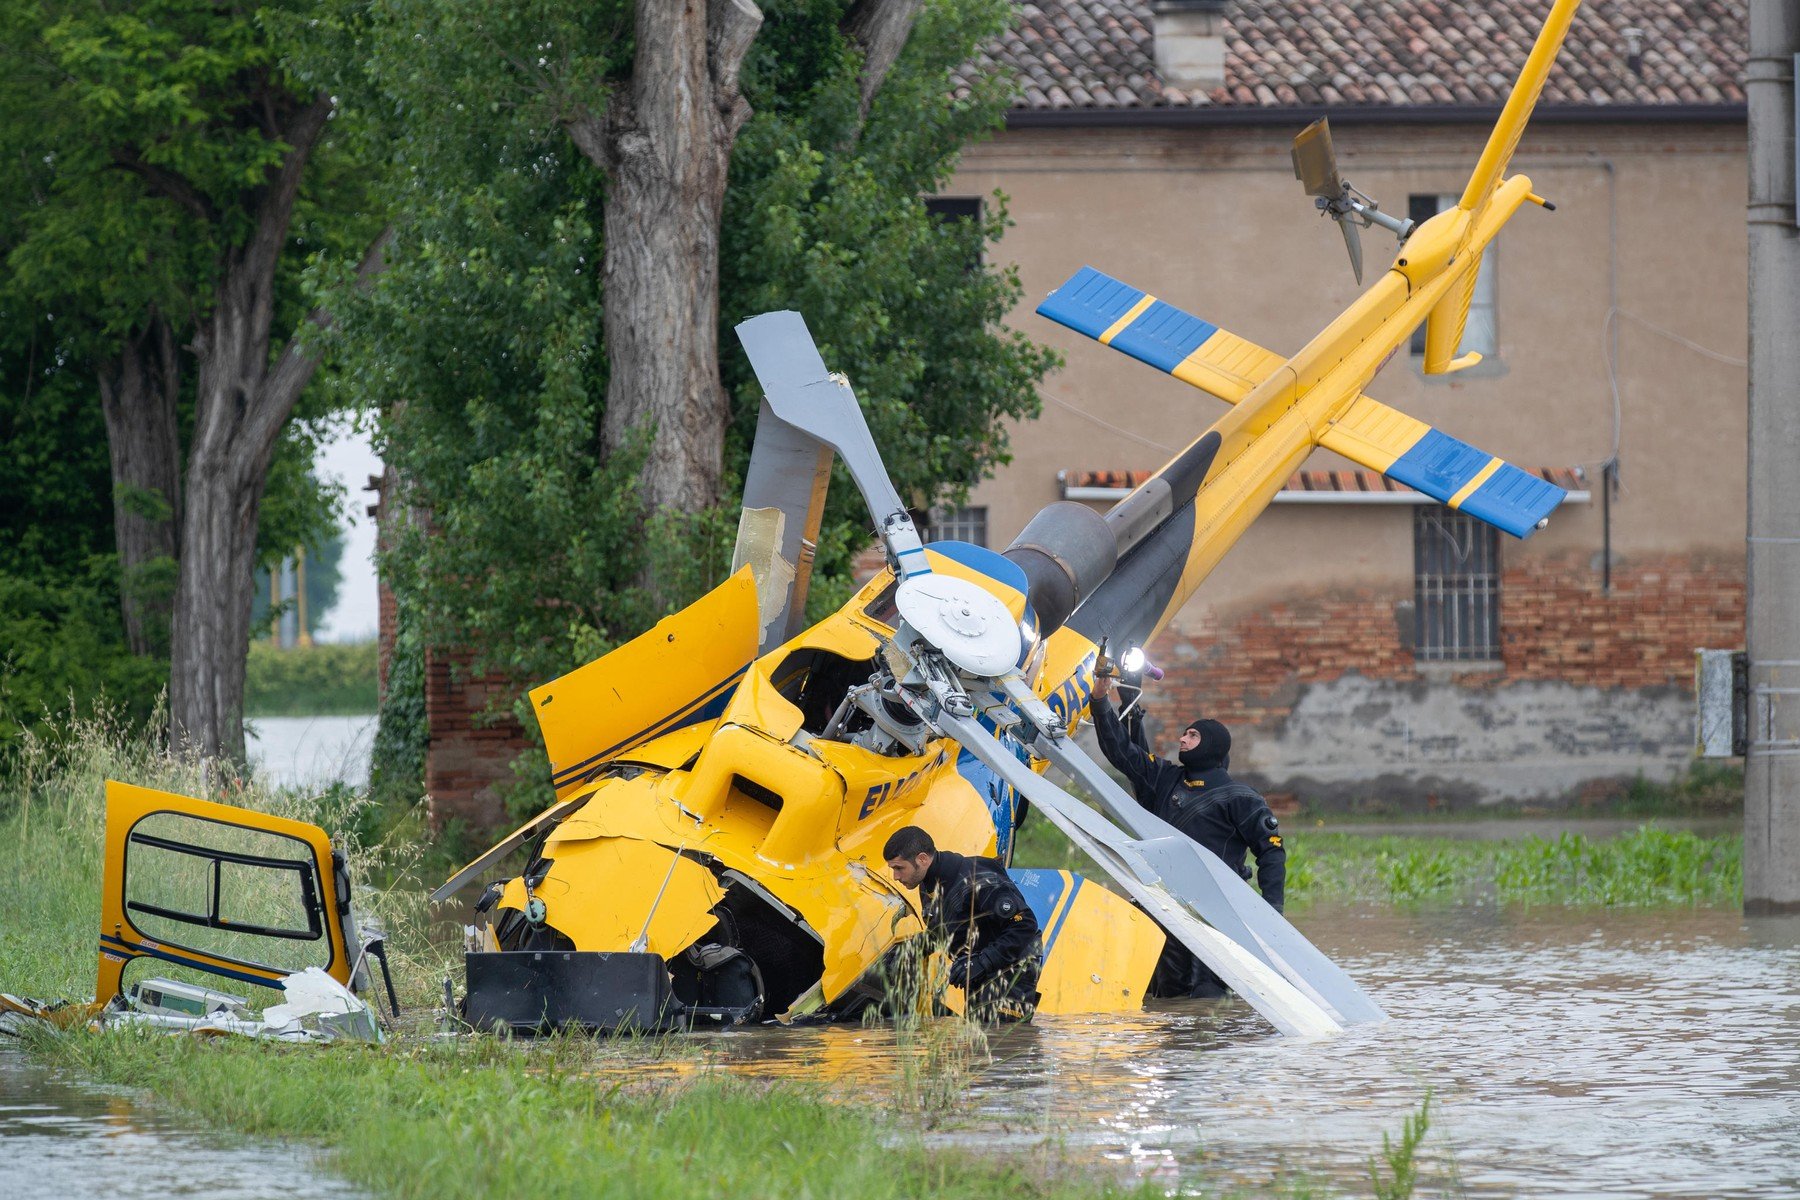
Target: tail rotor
<point x="1315" y="166"/>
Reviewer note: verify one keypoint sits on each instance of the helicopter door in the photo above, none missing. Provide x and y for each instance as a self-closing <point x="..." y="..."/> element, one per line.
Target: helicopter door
<point x="239" y="894"/>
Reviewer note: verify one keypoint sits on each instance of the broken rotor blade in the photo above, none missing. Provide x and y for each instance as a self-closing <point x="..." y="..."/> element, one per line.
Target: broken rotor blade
<point x="1315" y="162"/>
<point x="802" y="392"/>
<point x="1212" y="890"/>
<point x="518" y="837"/>
<point x="1285" y="1006"/>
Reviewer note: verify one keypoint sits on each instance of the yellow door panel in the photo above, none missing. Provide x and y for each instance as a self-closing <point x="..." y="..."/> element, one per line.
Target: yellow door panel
<point x="680" y="673"/>
<point x="235" y="893"/>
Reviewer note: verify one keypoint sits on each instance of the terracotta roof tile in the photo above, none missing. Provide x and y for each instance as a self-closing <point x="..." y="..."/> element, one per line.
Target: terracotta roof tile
<point x="1072" y="54"/>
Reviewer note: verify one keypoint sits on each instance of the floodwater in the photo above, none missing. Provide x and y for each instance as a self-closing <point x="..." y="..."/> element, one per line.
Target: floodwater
<point x="65" y="1140"/>
<point x="311" y="752"/>
<point x="1568" y="1053"/>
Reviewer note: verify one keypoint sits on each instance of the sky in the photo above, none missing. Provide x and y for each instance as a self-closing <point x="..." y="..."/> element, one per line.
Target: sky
<point x="349" y="459"/>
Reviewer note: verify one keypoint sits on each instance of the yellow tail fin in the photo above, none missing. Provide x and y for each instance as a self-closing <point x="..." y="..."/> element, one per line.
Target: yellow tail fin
<point x="1507" y="131"/>
<point x="1444" y="327"/>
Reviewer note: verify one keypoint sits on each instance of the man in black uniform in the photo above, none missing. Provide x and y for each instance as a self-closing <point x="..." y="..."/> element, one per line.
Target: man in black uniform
<point x="989" y="932"/>
<point x="1197" y="795"/>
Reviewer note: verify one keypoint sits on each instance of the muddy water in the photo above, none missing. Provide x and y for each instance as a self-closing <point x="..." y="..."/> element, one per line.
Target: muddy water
<point x="1571" y="1054"/>
<point x="68" y="1141"/>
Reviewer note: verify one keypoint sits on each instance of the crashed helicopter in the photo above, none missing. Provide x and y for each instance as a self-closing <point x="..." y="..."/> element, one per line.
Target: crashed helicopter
<point x="726" y="781"/>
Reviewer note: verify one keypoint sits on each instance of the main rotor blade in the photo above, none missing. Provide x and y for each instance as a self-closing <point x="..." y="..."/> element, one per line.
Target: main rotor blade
<point x="1284" y="1005"/>
<point x="1315" y="161"/>
<point x="807" y="396"/>
<point x="1217" y="893"/>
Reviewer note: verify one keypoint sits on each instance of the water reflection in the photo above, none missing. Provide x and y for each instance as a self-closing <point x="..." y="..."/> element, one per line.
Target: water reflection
<point x="73" y="1141"/>
<point x="1574" y="1054"/>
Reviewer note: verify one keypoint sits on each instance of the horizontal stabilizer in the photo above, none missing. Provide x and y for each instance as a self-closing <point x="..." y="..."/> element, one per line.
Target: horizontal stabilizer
<point x="1409" y="451"/>
<point x="1196" y="352"/>
<point x="1369" y="432"/>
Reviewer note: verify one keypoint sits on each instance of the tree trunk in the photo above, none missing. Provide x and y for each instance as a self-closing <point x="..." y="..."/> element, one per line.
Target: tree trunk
<point x="880" y="28"/>
<point x="241" y="403"/>
<point x="666" y="148"/>
<point x="665" y="144"/>
<point x="138" y="393"/>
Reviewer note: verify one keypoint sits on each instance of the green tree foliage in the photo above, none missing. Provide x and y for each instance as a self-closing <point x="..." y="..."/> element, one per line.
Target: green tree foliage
<point x="61" y="638"/>
<point x="131" y="138"/>
<point x="826" y="216"/>
<point x="481" y="344"/>
<point x="310" y="681"/>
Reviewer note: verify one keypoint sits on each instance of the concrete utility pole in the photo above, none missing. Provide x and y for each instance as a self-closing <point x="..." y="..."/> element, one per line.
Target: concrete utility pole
<point x="1772" y="764"/>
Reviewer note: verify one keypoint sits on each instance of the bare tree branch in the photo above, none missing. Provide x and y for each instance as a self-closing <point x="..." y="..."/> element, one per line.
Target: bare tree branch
<point x="293" y="370"/>
<point x="880" y="28"/>
<point x="167" y="184"/>
<point x="588" y="132"/>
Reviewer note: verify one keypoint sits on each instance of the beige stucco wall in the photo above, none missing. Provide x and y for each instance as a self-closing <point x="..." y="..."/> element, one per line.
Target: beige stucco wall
<point x="1212" y="220"/>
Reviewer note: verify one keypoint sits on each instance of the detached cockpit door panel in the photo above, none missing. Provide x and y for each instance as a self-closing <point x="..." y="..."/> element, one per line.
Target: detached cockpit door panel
<point x="238" y="894"/>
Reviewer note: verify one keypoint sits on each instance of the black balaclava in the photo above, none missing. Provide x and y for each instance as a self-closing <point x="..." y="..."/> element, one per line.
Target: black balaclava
<point x="1214" y="749"/>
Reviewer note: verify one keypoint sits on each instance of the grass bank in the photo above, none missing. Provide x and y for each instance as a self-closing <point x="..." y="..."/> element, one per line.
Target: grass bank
<point x="564" y="1118"/>
<point x="1650" y="867"/>
<point x="321" y="680"/>
<point x="422" y="1117"/>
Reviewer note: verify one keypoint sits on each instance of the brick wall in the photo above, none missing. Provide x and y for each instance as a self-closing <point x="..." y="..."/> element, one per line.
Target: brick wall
<point x="1322" y="690"/>
<point x="469" y="757"/>
<point x="1556" y="624"/>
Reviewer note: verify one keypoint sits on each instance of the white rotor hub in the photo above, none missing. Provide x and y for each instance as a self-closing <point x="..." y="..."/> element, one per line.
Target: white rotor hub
<point x="971" y="626"/>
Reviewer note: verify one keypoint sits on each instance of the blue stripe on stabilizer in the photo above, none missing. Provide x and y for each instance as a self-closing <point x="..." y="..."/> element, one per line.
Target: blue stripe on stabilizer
<point x="1163" y="335"/>
<point x="1513" y="500"/>
<point x="1089" y="302"/>
<point x="1043" y="890"/>
<point x="1439" y="465"/>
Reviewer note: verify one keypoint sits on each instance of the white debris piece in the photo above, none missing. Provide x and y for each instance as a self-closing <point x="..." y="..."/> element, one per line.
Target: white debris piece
<point x="335" y="1011"/>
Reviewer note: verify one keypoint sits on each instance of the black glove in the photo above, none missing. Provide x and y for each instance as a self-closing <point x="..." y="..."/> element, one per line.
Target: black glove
<point x="959" y="972"/>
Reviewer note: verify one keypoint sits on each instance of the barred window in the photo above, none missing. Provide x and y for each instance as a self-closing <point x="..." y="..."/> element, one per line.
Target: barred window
<point x="1456" y="586"/>
<point x="958" y="525"/>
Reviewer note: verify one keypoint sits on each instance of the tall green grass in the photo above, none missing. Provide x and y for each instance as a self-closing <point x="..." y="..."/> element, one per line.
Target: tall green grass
<point x="563" y="1118"/>
<point x="1650" y="867"/>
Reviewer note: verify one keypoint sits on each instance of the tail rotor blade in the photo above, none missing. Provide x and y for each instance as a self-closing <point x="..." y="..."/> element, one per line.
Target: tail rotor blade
<point x="1315" y="161"/>
<point x="1352" y="243"/>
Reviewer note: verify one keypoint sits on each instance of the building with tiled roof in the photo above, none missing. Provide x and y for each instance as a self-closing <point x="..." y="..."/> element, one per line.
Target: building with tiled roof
<point x="1111" y="55"/>
<point x="1367" y="647"/>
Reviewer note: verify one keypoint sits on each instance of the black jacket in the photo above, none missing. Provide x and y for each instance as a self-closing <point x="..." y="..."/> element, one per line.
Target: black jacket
<point x="980" y="912"/>
<point x="1227" y="817"/>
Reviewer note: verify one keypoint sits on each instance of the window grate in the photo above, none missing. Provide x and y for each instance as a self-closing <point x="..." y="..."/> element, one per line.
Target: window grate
<point x="1456" y="586"/>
